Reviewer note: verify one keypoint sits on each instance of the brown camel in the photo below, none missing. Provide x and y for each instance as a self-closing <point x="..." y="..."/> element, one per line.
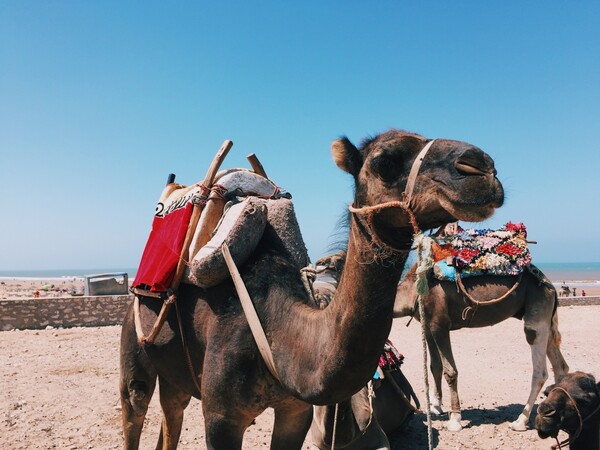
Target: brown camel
<point x="321" y="356"/>
<point x="572" y="405"/>
<point x="534" y="301"/>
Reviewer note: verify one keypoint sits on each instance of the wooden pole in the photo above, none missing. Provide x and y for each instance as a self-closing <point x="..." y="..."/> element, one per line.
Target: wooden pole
<point x="256" y="165"/>
<point x="197" y="210"/>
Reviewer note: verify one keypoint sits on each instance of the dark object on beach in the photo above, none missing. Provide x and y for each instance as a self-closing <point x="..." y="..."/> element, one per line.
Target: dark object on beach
<point x="572" y="405"/>
<point x="107" y="284"/>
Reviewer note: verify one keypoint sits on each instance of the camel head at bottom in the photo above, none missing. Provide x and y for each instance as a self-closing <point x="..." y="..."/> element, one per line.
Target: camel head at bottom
<point x="572" y="405"/>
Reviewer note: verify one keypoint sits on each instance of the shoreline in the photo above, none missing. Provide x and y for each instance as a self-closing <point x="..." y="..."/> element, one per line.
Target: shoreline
<point x="67" y="286"/>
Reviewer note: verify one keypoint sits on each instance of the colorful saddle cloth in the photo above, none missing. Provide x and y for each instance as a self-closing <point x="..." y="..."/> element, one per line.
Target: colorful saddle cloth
<point x="482" y="252"/>
<point x="390" y="359"/>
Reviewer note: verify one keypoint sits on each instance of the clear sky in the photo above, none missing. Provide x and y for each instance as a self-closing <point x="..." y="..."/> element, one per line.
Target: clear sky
<point x="101" y="100"/>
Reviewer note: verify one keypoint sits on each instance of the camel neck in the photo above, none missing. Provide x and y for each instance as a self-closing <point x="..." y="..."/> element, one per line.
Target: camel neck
<point x="338" y="347"/>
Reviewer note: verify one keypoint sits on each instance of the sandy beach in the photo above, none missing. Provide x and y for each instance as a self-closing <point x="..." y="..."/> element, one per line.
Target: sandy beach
<point x="29" y="287"/>
<point x="60" y="387"/>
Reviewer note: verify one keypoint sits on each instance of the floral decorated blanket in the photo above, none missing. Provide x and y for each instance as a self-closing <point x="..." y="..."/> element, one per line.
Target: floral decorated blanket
<point x="481" y="252"/>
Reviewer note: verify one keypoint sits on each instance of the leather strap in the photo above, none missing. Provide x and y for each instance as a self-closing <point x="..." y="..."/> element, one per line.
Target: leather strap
<point x="414" y="171"/>
<point x="251" y="316"/>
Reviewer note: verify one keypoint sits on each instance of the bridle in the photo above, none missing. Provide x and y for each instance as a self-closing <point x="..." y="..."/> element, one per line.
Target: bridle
<point x="570" y="439"/>
<point x="406" y="203"/>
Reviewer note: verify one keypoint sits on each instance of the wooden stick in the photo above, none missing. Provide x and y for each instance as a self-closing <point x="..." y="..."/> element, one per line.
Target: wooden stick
<point x="197" y="210"/>
<point x="256" y="165"/>
<point x="205" y="191"/>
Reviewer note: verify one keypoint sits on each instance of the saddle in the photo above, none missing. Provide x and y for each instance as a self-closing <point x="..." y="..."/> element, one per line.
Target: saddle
<point x="481" y="252"/>
<point x="241" y="208"/>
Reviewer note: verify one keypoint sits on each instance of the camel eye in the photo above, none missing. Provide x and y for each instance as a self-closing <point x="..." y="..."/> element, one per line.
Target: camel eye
<point x="386" y="168"/>
<point x="551" y="412"/>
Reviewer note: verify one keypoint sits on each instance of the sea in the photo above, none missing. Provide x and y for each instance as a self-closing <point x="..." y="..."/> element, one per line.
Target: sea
<point x="62" y="273"/>
<point x="574" y="274"/>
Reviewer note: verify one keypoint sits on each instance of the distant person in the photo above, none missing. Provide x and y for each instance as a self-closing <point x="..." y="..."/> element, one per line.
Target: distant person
<point x="582" y="293"/>
<point x="574" y="292"/>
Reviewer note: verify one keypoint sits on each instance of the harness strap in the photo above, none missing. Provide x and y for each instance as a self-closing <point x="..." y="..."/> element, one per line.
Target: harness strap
<point x="251" y="316"/>
<point x="414" y="171"/>
<point x="405" y="203"/>
<point x="479" y="303"/>
<point x="570" y="439"/>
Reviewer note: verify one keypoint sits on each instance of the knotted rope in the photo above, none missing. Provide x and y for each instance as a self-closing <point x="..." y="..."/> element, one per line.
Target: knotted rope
<point x="425" y="262"/>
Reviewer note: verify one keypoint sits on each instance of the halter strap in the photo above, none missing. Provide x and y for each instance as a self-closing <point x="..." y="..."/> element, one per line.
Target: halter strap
<point x="414" y="171"/>
<point x="405" y="203"/>
<point x="579" y="428"/>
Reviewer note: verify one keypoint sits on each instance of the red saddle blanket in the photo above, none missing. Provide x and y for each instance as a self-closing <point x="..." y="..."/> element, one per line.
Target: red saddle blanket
<point x="163" y="248"/>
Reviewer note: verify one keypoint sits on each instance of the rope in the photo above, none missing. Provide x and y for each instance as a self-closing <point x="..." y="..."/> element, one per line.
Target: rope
<point x="479" y="303"/>
<point x="309" y="275"/>
<point x="370" y="396"/>
<point x="424" y="263"/>
<point x="335" y="416"/>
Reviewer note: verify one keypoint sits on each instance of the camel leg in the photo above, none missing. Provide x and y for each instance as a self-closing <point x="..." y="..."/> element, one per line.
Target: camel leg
<point x="137" y="383"/>
<point x="173" y="402"/>
<point x="435" y="365"/>
<point x="291" y="425"/>
<point x="559" y="365"/>
<point x="537" y="337"/>
<point x="223" y="433"/>
<point x="442" y="341"/>
<point x="225" y="420"/>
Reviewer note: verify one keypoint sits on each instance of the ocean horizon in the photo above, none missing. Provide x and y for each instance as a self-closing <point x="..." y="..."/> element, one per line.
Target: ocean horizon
<point x="63" y="273"/>
<point x="580" y="272"/>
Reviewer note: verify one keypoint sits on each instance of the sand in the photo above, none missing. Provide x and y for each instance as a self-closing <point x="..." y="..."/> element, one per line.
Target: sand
<point x="40" y="287"/>
<point x="60" y="387"/>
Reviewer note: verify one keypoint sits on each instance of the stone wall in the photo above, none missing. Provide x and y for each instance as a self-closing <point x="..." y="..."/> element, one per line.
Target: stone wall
<point x="579" y="301"/>
<point x="65" y="312"/>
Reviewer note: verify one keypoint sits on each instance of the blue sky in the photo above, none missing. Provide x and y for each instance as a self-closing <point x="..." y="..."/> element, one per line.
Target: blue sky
<point x="100" y="100"/>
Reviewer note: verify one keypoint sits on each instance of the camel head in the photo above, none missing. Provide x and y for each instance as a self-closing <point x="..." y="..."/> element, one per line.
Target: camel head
<point x="455" y="181"/>
<point x="567" y="405"/>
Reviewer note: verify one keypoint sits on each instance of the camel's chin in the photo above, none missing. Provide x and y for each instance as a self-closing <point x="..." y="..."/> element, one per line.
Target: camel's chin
<point x="467" y="213"/>
<point x="543" y="434"/>
<point x="547" y="429"/>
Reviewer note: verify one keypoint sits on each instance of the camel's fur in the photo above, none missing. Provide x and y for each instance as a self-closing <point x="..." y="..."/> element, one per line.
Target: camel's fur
<point x="321" y="356"/>
<point x="559" y="412"/>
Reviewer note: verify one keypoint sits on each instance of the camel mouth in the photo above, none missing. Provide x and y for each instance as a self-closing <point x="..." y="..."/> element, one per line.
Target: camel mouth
<point x="471" y="212"/>
<point x="543" y="434"/>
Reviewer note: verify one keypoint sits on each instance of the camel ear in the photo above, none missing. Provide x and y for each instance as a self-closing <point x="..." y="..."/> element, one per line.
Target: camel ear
<point x="346" y="156"/>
